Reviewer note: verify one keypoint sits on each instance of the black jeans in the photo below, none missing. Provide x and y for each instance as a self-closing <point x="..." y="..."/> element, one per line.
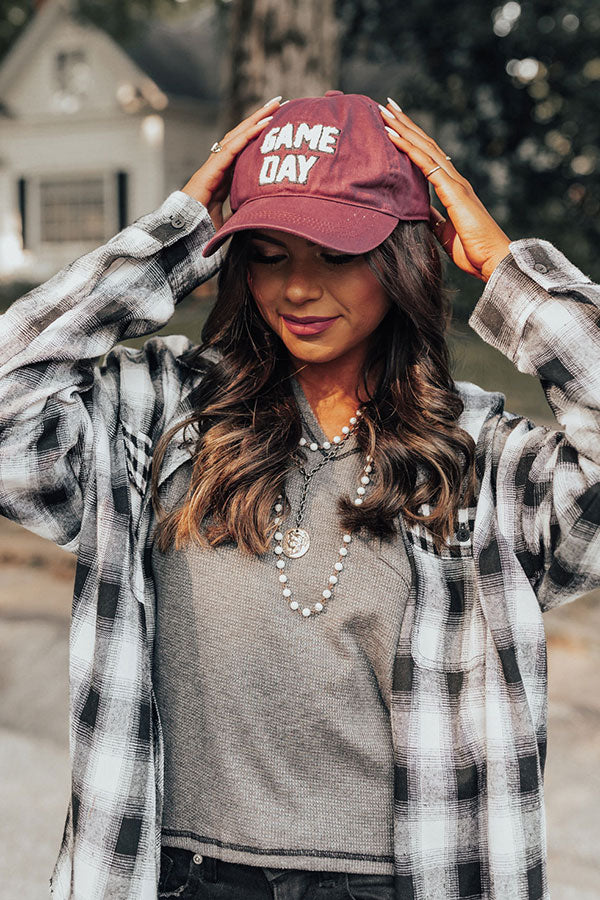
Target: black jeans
<point x="189" y="876"/>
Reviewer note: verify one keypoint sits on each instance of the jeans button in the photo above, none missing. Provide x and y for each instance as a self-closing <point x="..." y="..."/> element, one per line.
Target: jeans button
<point x="197" y="859"/>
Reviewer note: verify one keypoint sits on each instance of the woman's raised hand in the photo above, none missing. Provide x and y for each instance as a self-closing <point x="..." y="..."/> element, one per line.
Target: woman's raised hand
<point x="211" y="182"/>
<point x="469" y="235"/>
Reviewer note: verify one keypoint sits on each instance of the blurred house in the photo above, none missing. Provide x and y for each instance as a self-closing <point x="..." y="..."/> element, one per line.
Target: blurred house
<point x="94" y="134"/>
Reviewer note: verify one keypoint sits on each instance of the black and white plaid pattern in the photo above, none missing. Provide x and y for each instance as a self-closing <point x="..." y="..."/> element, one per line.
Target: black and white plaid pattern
<point x="468" y="711"/>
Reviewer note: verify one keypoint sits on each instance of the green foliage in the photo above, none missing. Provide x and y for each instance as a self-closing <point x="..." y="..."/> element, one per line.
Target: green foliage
<point x="513" y="90"/>
<point x="14" y="15"/>
<point x="123" y="19"/>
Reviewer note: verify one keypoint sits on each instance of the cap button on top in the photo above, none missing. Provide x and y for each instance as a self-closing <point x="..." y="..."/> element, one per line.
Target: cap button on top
<point x="333" y="93"/>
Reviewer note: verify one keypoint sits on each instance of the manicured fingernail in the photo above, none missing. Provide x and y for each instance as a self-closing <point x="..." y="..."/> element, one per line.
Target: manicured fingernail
<point x="272" y="100"/>
<point x="386" y="112"/>
<point x="394" y="104"/>
<point x="264" y="121"/>
<point x="283" y="102"/>
<point x="391" y="131"/>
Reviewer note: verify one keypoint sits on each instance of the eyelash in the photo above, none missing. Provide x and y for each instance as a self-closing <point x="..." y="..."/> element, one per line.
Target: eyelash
<point x="338" y="260"/>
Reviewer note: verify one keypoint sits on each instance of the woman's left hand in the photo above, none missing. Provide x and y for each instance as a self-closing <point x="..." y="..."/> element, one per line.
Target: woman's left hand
<point x="469" y="235"/>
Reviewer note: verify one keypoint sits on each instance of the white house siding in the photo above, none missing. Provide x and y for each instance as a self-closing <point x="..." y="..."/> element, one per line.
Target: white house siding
<point x="110" y="118"/>
<point x="101" y="146"/>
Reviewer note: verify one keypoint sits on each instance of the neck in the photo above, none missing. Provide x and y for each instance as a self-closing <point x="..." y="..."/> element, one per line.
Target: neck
<point x="334" y="391"/>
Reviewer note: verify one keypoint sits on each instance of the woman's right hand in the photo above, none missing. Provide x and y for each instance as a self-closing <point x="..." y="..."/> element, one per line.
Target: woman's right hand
<point x="211" y="182"/>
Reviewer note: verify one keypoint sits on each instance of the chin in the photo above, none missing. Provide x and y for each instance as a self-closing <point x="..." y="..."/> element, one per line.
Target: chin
<point x="313" y="354"/>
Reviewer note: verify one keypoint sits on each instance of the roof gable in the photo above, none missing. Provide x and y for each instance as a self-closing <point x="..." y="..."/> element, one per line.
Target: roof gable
<point x="62" y="67"/>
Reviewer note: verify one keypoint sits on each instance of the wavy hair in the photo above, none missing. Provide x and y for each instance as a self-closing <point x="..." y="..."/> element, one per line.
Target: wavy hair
<point x="248" y="423"/>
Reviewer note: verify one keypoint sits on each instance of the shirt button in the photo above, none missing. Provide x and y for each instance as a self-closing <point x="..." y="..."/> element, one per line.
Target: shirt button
<point x="540" y="267"/>
<point x="197" y="859"/>
<point x="177" y="222"/>
<point x="463" y="534"/>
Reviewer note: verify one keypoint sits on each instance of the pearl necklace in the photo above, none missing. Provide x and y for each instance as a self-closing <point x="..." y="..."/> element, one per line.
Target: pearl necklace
<point x="326" y="445"/>
<point x="279" y="538"/>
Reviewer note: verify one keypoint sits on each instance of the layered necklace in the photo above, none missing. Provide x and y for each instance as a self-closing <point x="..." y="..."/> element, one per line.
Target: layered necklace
<point x="295" y="542"/>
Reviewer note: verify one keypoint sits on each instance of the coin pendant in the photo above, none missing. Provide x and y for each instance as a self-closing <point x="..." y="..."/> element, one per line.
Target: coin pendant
<point x="295" y="542"/>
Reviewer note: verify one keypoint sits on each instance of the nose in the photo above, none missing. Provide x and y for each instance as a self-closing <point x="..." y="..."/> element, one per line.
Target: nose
<point x="302" y="284"/>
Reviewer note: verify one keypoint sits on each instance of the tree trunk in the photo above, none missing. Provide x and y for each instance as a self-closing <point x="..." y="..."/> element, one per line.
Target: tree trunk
<point x="287" y="47"/>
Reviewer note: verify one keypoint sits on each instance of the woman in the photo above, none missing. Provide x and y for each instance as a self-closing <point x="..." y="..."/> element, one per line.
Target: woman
<point x="307" y="653"/>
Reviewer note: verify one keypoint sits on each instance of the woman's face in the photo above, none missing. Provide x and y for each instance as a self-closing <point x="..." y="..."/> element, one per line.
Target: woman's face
<point x="295" y="281"/>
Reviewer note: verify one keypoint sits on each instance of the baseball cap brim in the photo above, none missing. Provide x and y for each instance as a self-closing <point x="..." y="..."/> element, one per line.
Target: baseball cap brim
<point x="340" y="226"/>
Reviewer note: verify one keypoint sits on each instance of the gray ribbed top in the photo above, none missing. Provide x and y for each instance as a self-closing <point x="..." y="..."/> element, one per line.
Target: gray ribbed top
<point x="277" y="732"/>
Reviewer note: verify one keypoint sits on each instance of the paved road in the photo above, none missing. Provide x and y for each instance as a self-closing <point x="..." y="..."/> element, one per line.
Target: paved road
<point x="35" y="590"/>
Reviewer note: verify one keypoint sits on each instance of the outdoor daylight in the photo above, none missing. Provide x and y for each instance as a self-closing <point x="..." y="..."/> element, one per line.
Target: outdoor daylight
<point x="299" y="450"/>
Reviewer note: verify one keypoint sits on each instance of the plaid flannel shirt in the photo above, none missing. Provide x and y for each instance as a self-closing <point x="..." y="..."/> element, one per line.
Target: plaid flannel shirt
<point x="468" y="709"/>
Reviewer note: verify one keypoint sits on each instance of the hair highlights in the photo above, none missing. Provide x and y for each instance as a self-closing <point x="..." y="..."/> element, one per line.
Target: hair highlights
<point x="248" y="424"/>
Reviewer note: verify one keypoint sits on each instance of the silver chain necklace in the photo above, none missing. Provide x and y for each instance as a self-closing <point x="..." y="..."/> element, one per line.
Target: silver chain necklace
<point x="296" y="541"/>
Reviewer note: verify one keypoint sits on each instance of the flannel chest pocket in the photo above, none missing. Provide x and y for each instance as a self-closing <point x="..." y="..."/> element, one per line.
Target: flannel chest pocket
<point x="449" y="630"/>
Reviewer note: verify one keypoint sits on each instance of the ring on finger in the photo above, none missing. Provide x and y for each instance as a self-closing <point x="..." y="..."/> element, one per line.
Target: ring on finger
<point x="432" y="171"/>
<point x="216" y="147"/>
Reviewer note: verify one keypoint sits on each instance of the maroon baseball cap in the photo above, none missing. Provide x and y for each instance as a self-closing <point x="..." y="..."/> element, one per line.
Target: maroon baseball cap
<point x="325" y="169"/>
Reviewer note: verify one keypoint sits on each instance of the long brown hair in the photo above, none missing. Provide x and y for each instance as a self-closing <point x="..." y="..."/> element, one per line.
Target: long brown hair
<point x="248" y="422"/>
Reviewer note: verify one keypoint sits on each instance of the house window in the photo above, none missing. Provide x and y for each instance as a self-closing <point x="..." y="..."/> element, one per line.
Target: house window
<point x="72" y="209"/>
<point x="72" y="72"/>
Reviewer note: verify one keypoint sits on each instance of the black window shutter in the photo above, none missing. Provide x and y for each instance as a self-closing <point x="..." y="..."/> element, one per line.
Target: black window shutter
<point x="122" y="199"/>
<point x="22" y="194"/>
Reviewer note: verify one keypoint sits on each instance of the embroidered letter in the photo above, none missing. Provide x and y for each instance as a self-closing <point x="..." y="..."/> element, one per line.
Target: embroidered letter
<point x="306" y="134"/>
<point x="284" y="139"/>
<point x="287" y="169"/>
<point x="304" y="167"/>
<point x="328" y="139"/>
<point x="269" y="170"/>
<point x="269" y="142"/>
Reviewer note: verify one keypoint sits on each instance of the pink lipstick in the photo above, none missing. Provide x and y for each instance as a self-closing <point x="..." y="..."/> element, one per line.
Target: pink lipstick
<point x="308" y="324"/>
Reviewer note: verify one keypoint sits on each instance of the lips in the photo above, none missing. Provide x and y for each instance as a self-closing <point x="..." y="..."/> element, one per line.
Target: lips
<point x="308" y="324"/>
<point x="306" y="320"/>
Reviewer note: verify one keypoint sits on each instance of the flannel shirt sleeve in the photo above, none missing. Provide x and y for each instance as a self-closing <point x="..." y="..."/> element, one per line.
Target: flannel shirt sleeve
<point x="543" y="313"/>
<point x="57" y="409"/>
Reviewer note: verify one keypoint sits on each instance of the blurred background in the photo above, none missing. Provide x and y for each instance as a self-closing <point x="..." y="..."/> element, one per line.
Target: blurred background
<point x="106" y="106"/>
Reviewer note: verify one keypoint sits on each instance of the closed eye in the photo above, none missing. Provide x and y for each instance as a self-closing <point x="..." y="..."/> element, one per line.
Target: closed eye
<point x="258" y="257"/>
